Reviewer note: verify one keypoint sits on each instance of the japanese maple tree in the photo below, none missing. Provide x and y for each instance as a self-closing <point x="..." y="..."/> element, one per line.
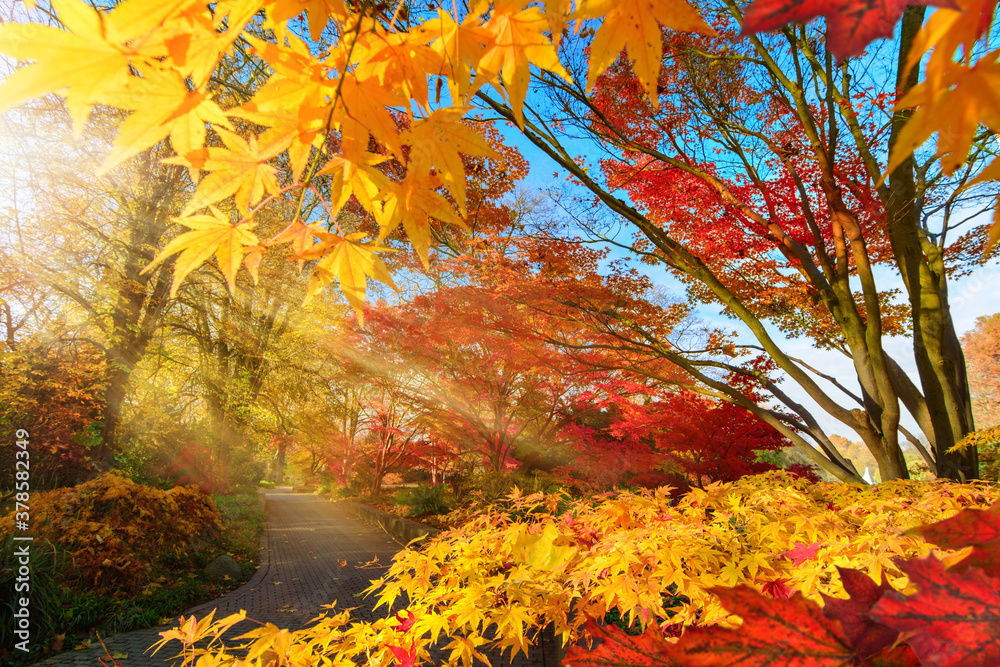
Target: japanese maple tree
<point x="480" y="387"/>
<point x="753" y="179"/>
<point x="627" y="431"/>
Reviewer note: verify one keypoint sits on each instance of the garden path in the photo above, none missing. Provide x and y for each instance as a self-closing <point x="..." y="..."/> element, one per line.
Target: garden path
<point x="305" y="539"/>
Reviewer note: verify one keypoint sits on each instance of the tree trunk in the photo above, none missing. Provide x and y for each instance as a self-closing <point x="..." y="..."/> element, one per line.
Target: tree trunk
<point x="936" y="349"/>
<point x="141" y="299"/>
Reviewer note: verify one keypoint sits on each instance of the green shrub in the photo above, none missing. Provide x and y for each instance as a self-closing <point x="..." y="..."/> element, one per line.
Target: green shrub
<point x="341" y="492"/>
<point x="143" y="463"/>
<point x="425" y="499"/>
<point x="631" y="627"/>
<point x="264" y="484"/>
<point x="81" y="612"/>
<point x="327" y="483"/>
<point x="244" y="468"/>
<point x="243" y="522"/>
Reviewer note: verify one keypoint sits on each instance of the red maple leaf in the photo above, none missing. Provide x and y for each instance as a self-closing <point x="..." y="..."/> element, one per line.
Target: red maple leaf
<point x="851" y="24"/>
<point x="866" y="635"/>
<point x="954" y="619"/>
<point x="792" y="633"/>
<point x="802" y="552"/>
<point x="778" y="589"/>
<point x="405" y="623"/>
<point x="405" y="658"/>
<point x="979" y="529"/>
<point x="615" y="648"/>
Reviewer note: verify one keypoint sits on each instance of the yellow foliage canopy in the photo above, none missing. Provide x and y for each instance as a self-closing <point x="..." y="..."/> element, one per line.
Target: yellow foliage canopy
<point x="154" y="59"/>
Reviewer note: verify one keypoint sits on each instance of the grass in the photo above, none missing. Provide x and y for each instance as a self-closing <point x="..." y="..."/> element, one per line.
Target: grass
<point x="243" y="523"/>
<point x="177" y="584"/>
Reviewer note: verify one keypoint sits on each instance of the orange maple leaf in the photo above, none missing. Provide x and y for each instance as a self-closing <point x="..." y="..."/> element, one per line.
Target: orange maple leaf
<point x="626" y="23"/>
<point x="240" y="169"/>
<point x="211" y="234"/>
<point x="518" y="41"/>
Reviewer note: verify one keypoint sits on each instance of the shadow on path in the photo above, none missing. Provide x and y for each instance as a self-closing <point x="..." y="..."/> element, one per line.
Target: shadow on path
<point x="305" y="540"/>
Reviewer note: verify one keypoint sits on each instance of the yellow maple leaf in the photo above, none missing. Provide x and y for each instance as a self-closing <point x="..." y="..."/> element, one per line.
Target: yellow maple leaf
<point x="437" y="141"/>
<point x="947" y="31"/>
<point x="161" y="104"/>
<point x="397" y="60"/>
<point x="211" y="234"/>
<point x="140" y="19"/>
<point x="298" y="79"/>
<point x="240" y="169"/>
<point x="952" y="104"/>
<point x="626" y="23"/>
<point x="556" y="12"/>
<point x="460" y="46"/>
<point x="319" y="12"/>
<point x="253" y="259"/>
<point x="366" y="105"/>
<point x="517" y="41"/>
<point x="539" y="550"/>
<point x="412" y="203"/>
<point x="293" y="103"/>
<point x="87" y="58"/>
<point x="196" y="39"/>
<point x="301" y="236"/>
<point x="297" y="129"/>
<point x="358" y="178"/>
<point x="351" y="263"/>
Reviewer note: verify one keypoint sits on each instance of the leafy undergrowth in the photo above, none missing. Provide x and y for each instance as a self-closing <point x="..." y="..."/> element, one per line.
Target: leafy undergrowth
<point x="769" y="570"/>
<point x="115" y="531"/>
<point x="68" y="609"/>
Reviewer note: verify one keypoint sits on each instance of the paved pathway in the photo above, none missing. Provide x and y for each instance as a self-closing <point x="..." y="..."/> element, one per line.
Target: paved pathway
<point x="306" y="536"/>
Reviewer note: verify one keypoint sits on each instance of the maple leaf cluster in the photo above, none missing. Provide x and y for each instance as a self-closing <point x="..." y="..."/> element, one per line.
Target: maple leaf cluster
<point x="533" y="560"/>
<point x="947" y="616"/>
<point x="156" y="62"/>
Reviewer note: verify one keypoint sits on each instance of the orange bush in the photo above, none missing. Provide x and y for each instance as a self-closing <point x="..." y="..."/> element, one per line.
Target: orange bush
<point x="114" y="530"/>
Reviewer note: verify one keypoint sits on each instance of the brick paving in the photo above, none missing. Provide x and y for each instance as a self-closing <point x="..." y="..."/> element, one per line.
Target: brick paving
<point x="299" y="570"/>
